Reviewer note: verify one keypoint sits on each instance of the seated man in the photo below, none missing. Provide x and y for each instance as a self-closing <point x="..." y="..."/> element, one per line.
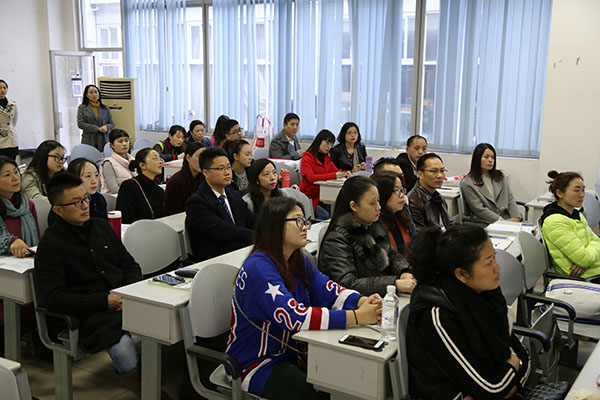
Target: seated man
<point x="78" y="262"/>
<point x="217" y="218"/>
<point x="285" y="144"/>
<point x="387" y="164"/>
<point x="427" y="206"/>
<point x="416" y="146"/>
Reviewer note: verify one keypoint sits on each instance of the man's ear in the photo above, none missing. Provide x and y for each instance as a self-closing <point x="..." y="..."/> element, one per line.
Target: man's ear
<point x="58" y="210"/>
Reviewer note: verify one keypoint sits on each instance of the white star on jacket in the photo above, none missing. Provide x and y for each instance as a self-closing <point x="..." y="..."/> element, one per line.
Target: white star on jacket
<point x="273" y="290"/>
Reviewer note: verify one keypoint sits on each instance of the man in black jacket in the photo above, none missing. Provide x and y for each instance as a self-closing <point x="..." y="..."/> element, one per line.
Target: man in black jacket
<point x="217" y="218"/>
<point x="416" y="146"/>
<point x="78" y="262"/>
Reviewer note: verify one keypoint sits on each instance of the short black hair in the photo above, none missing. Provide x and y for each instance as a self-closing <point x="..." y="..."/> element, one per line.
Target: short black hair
<point x="117" y="134"/>
<point x="207" y="156"/>
<point x="176" y="128"/>
<point x="59" y="183"/>
<point x="412" y="139"/>
<point x="290" y="116"/>
<point x="384" y="161"/>
<point x="424" y="158"/>
<point x="228" y="125"/>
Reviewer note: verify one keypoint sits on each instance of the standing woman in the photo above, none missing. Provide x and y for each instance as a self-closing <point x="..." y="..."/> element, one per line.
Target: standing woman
<point x="114" y="170"/>
<point x="8" y="120"/>
<point x="349" y="154"/>
<point x="94" y="118"/>
<point x="262" y="184"/>
<point x="459" y="341"/>
<point x="141" y="197"/>
<point x="197" y="133"/>
<point x="240" y="157"/>
<point x="355" y="250"/>
<point x="19" y="230"/>
<point x="49" y="158"/>
<point x="316" y="166"/>
<point x="261" y="339"/>
<point x="485" y="188"/>
<point x="395" y="215"/>
<point x="186" y="181"/>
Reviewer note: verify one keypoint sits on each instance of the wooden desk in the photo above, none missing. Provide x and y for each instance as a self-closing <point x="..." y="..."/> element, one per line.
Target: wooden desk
<point x="588" y="375"/>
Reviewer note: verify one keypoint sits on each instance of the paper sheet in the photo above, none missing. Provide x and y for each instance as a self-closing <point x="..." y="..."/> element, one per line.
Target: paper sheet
<point x="18" y="265"/>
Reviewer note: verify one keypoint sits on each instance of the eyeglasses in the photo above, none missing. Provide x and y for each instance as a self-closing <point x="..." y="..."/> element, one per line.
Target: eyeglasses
<point x="300" y="222"/>
<point x="221" y="169"/>
<point x="237" y="132"/>
<point x="78" y="203"/>
<point x="57" y="158"/>
<point x="400" y="191"/>
<point x="436" y="171"/>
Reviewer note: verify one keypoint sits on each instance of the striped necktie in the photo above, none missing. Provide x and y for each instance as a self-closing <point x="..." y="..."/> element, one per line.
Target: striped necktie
<point x="222" y="200"/>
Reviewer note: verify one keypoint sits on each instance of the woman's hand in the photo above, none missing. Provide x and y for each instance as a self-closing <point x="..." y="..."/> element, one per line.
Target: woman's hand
<point x="511" y="219"/>
<point x="180" y="156"/>
<point x="103" y="129"/>
<point x="340" y="175"/>
<point x="369" y="311"/>
<point x="19" y="249"/>
<point x="514" y="359"/>
<point x="406" y="285"/>
<point x="359" y="167"/>
<point x="576" y="271"/>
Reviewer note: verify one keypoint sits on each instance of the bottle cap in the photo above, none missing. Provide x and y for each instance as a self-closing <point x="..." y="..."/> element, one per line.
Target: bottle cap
<point x="391" y="289"/>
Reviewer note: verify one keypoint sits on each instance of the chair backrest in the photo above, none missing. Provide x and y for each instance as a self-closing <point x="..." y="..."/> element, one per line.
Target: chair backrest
<point x="402" y="327"/>
<point x="591" y="209"/>
<point x="111" y="201"/>
<point x="210" y="299"/>
<point x="107" y="150"/>
<point x="294" y="173"/>
<point x="260" y="152"/>
<point x="143" y="144"/>
<point x="546" y="362"/>
<point x="511" y="276"/>
<point x="597" y="188"/>
<point x="42" y="208"/>
<point x="302" y="198"/>
<point x="534" y="258"/>
<point x="9" y="386"/>
<point x="153" y="244"/>
<point x="86" y="151"/>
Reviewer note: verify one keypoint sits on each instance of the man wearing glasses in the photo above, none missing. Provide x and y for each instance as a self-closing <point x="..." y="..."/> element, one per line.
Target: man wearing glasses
<point x="217" y="217"/>
<point x="427" y="206"/>
<point x="78" y="262"/>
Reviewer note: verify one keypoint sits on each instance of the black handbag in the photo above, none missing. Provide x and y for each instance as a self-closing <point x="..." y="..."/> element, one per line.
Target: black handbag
<point x="545" y="391"/>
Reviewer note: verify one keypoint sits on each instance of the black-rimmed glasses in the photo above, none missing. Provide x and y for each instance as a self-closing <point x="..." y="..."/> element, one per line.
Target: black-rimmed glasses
<point x="78" y="203"/>
<point x="57" y="158"/>
<point x="400" y="191"/>
<point x="300" y="222"/>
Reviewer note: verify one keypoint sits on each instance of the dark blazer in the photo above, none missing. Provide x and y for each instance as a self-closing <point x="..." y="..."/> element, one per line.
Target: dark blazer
<point x="428" y="208"/>
<point x="179" y="188"/>
<point x="76" y="268"/>
<point x="341" y="158"/>
<point x="212" y="232"/>
<point x="409" y="175"/>
<point x="132" y="203"/>
<point x="89" y="123"/>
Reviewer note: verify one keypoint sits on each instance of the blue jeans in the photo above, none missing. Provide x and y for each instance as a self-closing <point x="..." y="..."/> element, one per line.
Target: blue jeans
<point x="124" y="354"/>
<point x="323" y="211"/>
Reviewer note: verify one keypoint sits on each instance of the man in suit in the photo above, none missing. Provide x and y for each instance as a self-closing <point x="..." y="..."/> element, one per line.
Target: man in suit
<point x="216" y="216"/>
<point x="416" y="146"/>
<point x="286" y="144"/>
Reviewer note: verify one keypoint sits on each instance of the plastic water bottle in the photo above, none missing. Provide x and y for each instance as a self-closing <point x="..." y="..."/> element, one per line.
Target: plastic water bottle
<point x="389" y="313"/>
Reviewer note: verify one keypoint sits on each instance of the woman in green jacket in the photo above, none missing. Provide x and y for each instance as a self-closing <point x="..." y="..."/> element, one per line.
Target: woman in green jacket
<point x="573" y="246"/>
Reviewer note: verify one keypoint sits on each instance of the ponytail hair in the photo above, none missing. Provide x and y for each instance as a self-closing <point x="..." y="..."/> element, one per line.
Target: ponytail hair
<point x="560" y="181"/>
<point x="140" y="157"/>
<point x="434" y="254"/>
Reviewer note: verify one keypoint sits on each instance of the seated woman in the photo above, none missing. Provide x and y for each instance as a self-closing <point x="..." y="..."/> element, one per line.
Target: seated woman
<point x="355" y="250"/>
<point x="19" y="230"/>
<point x="296" y="290"/>
<point x="349" y="154"/>
<point x="262" y="184"/>
<point x="574" y="248"/>
<point x="49" y="158"/>
<point x="172" y="147"/>
<point x="88" y="173"/>
<point x="141" y="197"/>
<point x="459" y="341"/>
<point x="185" y="182"/>
<point x="240" y="157"/>
<point x="485" y="188"/>
<point x="316" y="166"/>
<point x="218" y="135"/>
<point x="196" y="134"/>
<point x="114" y="170"/>
<point x="395" y="215"/>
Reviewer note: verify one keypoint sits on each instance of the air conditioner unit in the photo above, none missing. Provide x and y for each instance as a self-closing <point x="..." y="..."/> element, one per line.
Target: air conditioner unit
<point x="118" y="96"/>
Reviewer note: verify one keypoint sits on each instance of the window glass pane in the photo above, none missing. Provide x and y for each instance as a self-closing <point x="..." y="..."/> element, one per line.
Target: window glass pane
<point x="431" y="35"/>
<point x="109" y="64"/>
<point x="101" y="23"/>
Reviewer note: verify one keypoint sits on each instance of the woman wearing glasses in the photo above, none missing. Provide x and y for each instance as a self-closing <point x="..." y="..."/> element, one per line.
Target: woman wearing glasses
<point x="349" y="154"/>
<point x="355" y="250"/>
<point x="49" y="158"/>
<point x="141" y="197"/>
<point x="485" y="188"/>
<point x="278" y="292"/>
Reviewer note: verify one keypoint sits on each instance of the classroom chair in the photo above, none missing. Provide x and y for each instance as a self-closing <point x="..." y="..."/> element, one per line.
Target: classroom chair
<point x="65" y="347"/>
<point x="86" y="151"/>
<point x="294" y="173"/>
<point x="591" y="209"/>
<point x="13" y="381"/>
<point x="153" y="244"/>
<point x="302" y="199"/>
<point x="111" y="201"/>
<point x="42" y="208"/>
<point x="208" y="315"/>
<point x="399" y="364"/>
<point x="107" y="150"/>
<point x="143" y="144"/>
<point x="260" y="152"/>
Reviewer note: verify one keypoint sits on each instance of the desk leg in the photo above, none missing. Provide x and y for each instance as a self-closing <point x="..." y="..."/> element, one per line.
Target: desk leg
<point x="151" y="369"/>
<point x="12" y="330"/>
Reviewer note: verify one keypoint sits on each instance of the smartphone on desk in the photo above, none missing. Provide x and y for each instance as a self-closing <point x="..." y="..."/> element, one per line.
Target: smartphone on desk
<point x="168" y="279"/>
<point x="365" y="343"/>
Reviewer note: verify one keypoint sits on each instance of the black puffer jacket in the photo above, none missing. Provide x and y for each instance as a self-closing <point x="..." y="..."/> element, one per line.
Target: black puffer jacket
<point x="360" y="257"/>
